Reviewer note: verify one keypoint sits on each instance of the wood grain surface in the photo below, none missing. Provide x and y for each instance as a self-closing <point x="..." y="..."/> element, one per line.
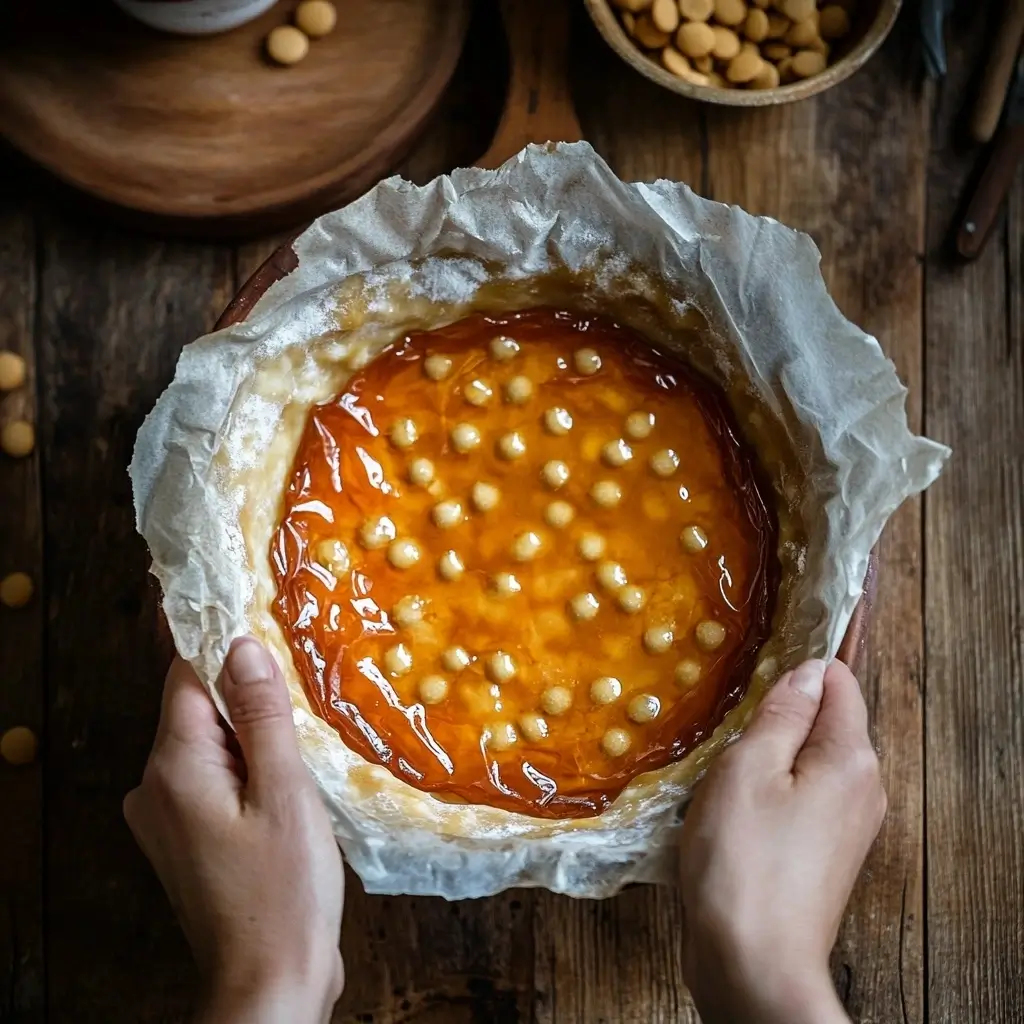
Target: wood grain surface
<point x="974" y="565"/>
<point x="207" y="131"/>
<point x="874" y="172"/>
<point x="22" y="676"/>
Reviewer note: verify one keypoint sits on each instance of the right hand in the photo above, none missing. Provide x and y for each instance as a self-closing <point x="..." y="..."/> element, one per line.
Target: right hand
<point x="771" y="847"/>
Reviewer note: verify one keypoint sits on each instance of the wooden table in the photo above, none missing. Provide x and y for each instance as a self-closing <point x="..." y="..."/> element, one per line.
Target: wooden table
<point x="936" y="926"/>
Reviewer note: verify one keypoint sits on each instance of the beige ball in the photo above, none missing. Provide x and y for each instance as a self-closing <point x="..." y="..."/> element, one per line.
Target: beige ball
<point x="403" y="553"/>
<point x="421" y="472"/>
<point x="533" y="727"/>
<point x="584" y="607"/>
<point x="559" y="514"/>
<point x="334" y="555"/>
<point x="526" y="546"/>
<point x="611" y="576"/>
<point x="433" y="689"/>
<point x="555" y="474"/>
<point x="465" y="437"/>
<point x="404" y="433"/>
<point x="437" y="366"/>
<point x="695" y="39"/>
<point x="447" y="514"/>
<point x="693" y="539"/>
<point x="18" y="439"/>
<point x="519" y="390"/>
<point x="658" y="638"/>
<point x="505" y="584"/>
<point x="696" y="10"/>
<point x="484" y="496"/>
<point x="501" y="667"/>
<point x="558" y="421"/>
<point x="477" y="392"/>
<point x="710" y="635"/>
<point x="16" y="590"/>
<point x="556" y="700"/>
<point x="834" y="22"/>
<point x="606" y="493"/>
<point x="631" y="598"/>
<point x="397" y="660"/>
<point x="503" y="349"/>
<point x="18" y="746"/>
<point x="511" y="446"/>
<point x="687" y="673"/>
<point x="644" y="707"/>
<point x="616" y="453"/>
<point x="605" y="690"/>
<point x="500" y="736"/>
<point x="664" y="463"/>
<point x="639" y="425"/>
<point x="456" y="659"/>
<point x="587" y="361"/>
<point x="591" y="546"/>
<point x="316" y="17"/>
<point x="450" y="566"/>
<point x="287" y="45"/>
<point x="409" y="610"/>
<point x="616" y="742"/>
<point x="12" y="371"/>
<point x="377" y="532"/>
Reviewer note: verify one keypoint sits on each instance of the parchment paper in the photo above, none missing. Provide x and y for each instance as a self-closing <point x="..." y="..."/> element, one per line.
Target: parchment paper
<point x="742" y="296"/>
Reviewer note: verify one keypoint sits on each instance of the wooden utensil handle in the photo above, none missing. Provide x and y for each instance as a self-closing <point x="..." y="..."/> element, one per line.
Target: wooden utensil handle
<point x="538" y="106"/>
<point x="987" y="200"/>
<point x="996" y="76"/>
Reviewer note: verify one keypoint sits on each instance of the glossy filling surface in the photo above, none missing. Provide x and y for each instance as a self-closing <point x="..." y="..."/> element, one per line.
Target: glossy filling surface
<point x="523" y="559"/>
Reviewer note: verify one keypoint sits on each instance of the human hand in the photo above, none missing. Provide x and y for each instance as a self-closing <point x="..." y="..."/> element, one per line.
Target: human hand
<point x="243" y="845"/>
<point x="770" y="850"/>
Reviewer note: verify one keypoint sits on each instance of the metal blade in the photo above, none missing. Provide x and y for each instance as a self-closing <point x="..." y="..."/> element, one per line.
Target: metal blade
<point x="932" y="17"/>
<point x="1013" y="111"/>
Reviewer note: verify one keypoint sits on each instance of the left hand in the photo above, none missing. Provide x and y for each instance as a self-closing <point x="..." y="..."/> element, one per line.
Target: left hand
<point x="243" y="845"/>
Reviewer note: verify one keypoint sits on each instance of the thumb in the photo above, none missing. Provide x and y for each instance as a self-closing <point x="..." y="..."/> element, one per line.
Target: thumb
<point x="785" y="718"/>
<point x="842" y="724"/>
<point x="261" y="713"/>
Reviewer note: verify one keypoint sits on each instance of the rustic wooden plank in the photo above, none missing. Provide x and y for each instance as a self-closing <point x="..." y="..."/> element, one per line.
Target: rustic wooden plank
<point x="435" y="962"/>
<point x="425" y="959"/>
<point x="849" y="169"/>
<point x="21" y="639"/>
<point x="618" y="960"/>
<point x="974" y="564"/>
<point x="115" y="310"/>
<point x="642" y="130"/>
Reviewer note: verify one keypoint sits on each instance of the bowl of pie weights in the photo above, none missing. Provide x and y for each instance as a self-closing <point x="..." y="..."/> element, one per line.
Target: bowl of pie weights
<point x="745" y="53"/>
<point x="533" y="481"/>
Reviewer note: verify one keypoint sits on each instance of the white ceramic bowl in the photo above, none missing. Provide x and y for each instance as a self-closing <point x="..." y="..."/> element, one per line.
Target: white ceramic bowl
<point x="194" y="17"/>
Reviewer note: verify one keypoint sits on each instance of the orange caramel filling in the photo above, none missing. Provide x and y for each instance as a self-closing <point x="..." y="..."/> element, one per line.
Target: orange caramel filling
<point x="524" y="559"/>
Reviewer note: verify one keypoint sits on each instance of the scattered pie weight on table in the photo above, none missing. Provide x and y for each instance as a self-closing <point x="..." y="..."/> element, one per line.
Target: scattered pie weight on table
<point x="733" y="44"/>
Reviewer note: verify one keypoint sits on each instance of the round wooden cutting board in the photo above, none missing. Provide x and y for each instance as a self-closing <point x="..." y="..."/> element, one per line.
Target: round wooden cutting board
<point x="206" y="131"/>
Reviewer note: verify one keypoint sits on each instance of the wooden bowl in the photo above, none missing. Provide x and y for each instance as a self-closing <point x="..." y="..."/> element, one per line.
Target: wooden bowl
<point x="283" y="261"/>
<point x="868" y="34"/>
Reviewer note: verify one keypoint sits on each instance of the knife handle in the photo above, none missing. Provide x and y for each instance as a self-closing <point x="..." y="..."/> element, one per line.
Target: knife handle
<point x="998" y="71"/>
<point x="992" y="188"/>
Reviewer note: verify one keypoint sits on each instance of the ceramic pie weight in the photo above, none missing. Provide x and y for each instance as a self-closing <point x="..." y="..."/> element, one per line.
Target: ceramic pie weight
<point x="737" y="298"/>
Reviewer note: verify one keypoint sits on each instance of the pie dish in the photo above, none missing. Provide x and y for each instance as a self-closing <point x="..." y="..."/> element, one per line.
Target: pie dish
<point x="533" y="482"/>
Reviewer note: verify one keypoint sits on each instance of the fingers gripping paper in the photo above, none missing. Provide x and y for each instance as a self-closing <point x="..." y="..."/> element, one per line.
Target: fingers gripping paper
<point x="741" y="297"/>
